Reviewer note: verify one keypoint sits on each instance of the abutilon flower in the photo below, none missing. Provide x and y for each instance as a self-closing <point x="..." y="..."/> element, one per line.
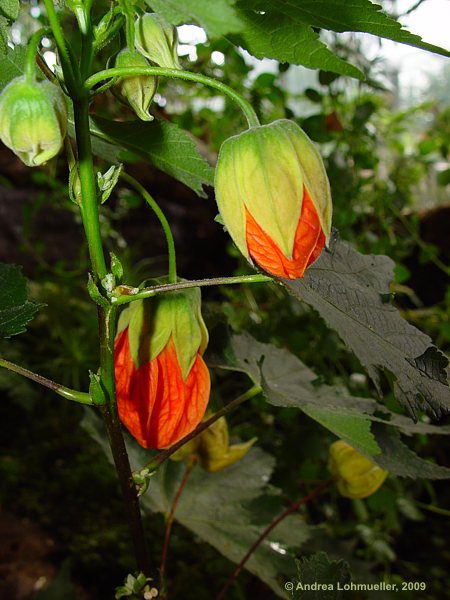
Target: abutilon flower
<point x="162" y="382"/>
<point x="356" y="475"/>
<point x="274" y="198"/>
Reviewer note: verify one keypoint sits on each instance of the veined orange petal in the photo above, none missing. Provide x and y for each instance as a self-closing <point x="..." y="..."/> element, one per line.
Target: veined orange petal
<point x="155" y="404"/>
<point x="308" y="244"/>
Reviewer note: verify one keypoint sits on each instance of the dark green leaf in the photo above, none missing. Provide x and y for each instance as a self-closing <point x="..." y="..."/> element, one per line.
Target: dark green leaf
<point x="351" y="293"/>
<point x="15" y="310"/>
<point x="227" y="509"/>
<point x="163" y="144"/>
<point x="4" y="28"/>
<point x="12" y="65"/>
<point x="443" y="177"/>
<point x="10" y="9"/>
<point x="339" y="16"/>
<point x="218" y="17"/>
<point x="276" y="35"/>
<point x="319" y="569"/>
<point x="399" y="460"/>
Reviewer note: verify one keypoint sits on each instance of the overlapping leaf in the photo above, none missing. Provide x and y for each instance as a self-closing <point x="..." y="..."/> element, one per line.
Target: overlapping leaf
<point x="229" y="509"/>
<point x="351" y="292"/>
<point x="16" y="311"/>
<point x="318" y="568"/>
<point x="12" y="64"/>
<point x="161" y="143"/>
<point x="9" y="10"/>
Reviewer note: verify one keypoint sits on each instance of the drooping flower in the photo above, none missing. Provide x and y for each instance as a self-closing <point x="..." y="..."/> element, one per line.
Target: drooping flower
<point x="162" y="382"/>
<point x="137" y="91"/>
<point x="157" y="40"/>
<point x="274" y="198"/>
<point x="33" y="119"/>
<point x="357" y="476"/>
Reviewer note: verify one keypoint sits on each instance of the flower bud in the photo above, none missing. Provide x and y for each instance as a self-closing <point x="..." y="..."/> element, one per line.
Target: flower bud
<point x="33" y="120"/>
<point x="215" y="451"/>
<point x="162" y="382"/>
<point x="157" y="40"/>
<point x="137" y="91"/>
<point x="357" y="476"/>
<point x="274" y="197"/>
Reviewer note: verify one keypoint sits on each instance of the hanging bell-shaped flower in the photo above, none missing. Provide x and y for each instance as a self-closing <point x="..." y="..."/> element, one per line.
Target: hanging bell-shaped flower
<point x="274" y="198"/>
<point x="157" y="40"/>
<point x="136" y="91"/>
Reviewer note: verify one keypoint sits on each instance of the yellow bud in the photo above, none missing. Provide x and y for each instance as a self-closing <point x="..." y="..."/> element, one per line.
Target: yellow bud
<point x="215" y="452"/>
<point x="357" y="476"/>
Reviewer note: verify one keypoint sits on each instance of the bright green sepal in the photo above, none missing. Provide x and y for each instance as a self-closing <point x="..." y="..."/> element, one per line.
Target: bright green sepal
<point x="153" y="321"/>
<point x="136" y="91"/>
<point x="157" y="40"/>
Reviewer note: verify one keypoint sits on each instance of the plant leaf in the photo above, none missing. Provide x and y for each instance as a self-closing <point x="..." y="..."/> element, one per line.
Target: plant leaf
<point x="12" y="64"/>
<point x="399" y="460"/>
<point x="319" y="569"/>
<point x="163" y="144"/>
<point x="228" y="509"/>
<point x="218" y="17"/>
<point x="284" y="30"/>
<point x="15" y="310"/>
<point x="351" y="292"/>
<point x="10" y="9"/>
<point x="275" y="35"/>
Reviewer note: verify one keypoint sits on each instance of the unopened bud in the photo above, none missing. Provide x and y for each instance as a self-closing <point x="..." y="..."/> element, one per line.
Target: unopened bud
<point x="136" y="91"/>
<point x="33" y="120"/>
<point x="157" y="40"/>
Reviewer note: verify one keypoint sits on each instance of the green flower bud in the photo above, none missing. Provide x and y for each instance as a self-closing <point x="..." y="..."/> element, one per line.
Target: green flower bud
<point x="357" y="476"/>
<point x="156" y="39"/>
<point x="274" y="198"/>
<point x="138" y="91"/>
<point x="33" y="120"/>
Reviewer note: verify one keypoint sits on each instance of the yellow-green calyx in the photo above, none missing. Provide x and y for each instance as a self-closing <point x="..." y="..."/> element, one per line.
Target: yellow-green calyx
<point x="153" y="321"/>
<point x="357" y="476"/>
<point x="137" y="91"/>
<point x="265" y="171"/>
<point x="33" y="120"/>
<point x="157" y="40"/>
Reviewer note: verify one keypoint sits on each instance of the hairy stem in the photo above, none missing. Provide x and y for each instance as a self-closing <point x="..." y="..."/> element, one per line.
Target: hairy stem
<point x="125" y="294"/>
<point x="292" y="508"/>
<point x="69" y="394"/>
<point x="245" y="106"/>
<point x="30" y="59"/>
<point x="162" y="219"/>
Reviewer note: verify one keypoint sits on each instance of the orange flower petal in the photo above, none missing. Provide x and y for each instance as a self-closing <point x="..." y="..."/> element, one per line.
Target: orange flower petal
<point x="155" y="404"/>
<point x="308" y="244"/>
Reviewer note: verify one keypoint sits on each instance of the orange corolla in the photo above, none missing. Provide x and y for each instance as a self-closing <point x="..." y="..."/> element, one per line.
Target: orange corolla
<point x="162" y="382"/>
<point x="274" y="197"/>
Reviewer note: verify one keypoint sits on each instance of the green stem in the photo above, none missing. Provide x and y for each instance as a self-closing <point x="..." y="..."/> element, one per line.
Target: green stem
<point x="87" y="42"/>
<point x="69" y="394"/>
<point x="435" y="509"/>
<point x="165" y="454"/>
<point x="125" y="294"/>
<point x="30" y="59"/>
<point x="245" y="106"/>
<point x="68" y="61"/>
<point x="89" y="201"/>
<point x="162" y="219"/>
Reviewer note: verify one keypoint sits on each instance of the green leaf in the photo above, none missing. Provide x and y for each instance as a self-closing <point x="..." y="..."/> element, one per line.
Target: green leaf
<point x="15" y="310"/>
<point x="12" y="64"/>
<point x="228" y="509"/>
<point x="340" y="16"/>
<point x="287" y="381"/>
<point x="10" y="9"/>
<point x="351" y="293"/>
<point x="163" y="144"/>
<point x="399" y="460"/>
<point x="218" y="17"/>
<point x="4" y="29"/>
<point x="274" y="35"/>
<point x="319" y="569"/>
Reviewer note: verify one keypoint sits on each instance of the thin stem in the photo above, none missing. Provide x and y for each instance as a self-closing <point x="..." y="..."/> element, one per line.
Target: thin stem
<point x="162" y="219"/>
<point x="245" y="106"/>
<point x="30" y="59"/>
<point x="112" y="423"/>
<point x="127" y="294"/>
<point x="69" y="394"/>
<point x="292" y="508"/>
<point x="89" y="201"/>
<point x="87" y="40"/>
<point x="165" y="454"/>
<point x="169" y="524"/>
<point x="434" y="509"/>
<point x="68" y="61"/>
